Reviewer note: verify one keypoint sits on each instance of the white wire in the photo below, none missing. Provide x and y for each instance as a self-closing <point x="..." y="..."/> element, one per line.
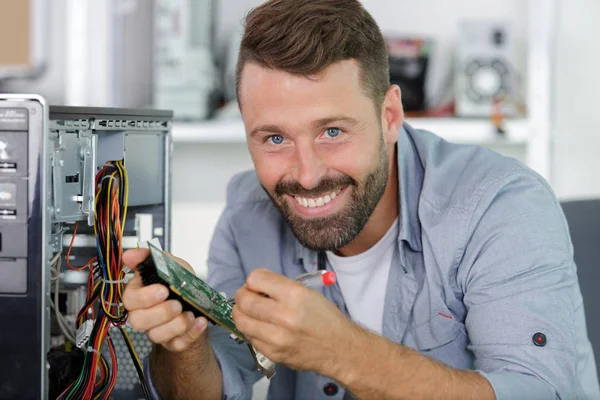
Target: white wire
<point x="67" y="328"/>
<point x="55" y="270"/>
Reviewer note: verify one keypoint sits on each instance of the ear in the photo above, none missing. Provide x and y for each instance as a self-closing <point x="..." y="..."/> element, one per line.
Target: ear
<point x="392" y="114"/>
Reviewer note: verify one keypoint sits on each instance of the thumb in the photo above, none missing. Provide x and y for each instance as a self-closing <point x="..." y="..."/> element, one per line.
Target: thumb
<point x="133" y="257"/>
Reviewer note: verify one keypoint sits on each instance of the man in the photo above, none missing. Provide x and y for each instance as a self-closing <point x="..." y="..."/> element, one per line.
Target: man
<point x="455" y="270"/>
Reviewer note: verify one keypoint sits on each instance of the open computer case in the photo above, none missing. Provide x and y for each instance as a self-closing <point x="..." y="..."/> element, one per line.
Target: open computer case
<point x="78" y="186"/>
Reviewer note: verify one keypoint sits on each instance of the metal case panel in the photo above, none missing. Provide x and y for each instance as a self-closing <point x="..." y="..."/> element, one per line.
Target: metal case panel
<point x="144" y="160"/>
<point x="24" y="314"/>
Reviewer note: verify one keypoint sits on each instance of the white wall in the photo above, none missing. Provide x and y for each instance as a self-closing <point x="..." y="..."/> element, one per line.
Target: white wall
<point x="576" y="125"/>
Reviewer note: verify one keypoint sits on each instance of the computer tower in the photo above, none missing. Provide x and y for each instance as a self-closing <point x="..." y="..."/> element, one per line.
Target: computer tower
<point x="24" y="234"/>
<point x="51" y="158"/>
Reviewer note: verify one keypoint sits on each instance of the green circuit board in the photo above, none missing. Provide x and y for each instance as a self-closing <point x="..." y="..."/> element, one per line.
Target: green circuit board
<point x="194" y="290"/>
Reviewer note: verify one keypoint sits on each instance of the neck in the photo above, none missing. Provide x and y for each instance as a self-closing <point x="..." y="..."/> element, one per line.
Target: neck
<point x="383" y="216"/>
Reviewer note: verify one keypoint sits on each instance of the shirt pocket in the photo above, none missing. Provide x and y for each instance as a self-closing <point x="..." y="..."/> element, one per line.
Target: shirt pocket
<point x="437" y="332"/>
<point x="442" y="338"/>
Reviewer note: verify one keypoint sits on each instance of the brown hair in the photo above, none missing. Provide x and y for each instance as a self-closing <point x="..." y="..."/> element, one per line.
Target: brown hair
<point x="306" y="36"/>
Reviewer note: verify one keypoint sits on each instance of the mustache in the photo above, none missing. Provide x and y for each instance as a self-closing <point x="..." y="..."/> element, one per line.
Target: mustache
<point x="327" y="185"/>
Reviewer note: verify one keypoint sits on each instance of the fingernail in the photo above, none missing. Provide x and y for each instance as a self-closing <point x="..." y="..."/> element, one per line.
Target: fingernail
<point x="176" y="306"/>
<point x="162" y="293"/>
<point x="200" y="323"/>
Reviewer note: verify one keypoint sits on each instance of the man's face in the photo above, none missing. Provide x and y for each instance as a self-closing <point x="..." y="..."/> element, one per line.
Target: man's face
<point x="318" y="149"/>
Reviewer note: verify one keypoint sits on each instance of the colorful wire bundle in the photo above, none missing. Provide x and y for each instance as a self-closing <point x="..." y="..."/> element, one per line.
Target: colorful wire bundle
<point x="104" y="305"/>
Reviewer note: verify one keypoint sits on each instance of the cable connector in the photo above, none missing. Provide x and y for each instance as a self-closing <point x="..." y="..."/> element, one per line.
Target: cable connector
<point x="83" y="333"/>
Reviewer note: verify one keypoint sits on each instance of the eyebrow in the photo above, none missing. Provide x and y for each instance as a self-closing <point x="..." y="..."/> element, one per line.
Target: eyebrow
<point x="320" y="123"/>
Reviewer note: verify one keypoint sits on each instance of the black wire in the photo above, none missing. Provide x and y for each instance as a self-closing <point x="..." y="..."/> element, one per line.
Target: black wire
<point x="93" y="298"/>
<point x="135" y="363"/>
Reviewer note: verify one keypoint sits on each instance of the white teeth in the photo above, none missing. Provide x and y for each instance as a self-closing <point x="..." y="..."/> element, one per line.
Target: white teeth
<point x="317" y="202"/>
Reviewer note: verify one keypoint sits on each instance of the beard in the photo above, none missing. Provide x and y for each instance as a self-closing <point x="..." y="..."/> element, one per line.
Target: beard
<point x="339" y="229"/>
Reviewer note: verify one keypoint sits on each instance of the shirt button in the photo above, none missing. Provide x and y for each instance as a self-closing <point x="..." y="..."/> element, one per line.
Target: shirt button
<point x="330" y="389"/>
<point x="539" y="339"/>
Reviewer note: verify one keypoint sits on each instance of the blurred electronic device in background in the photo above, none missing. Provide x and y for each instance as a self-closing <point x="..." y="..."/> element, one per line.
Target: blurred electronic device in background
<point x="409" y="61"/>
<point x="78" y="186"/>
<point x="485" y="70"/>
<point x="185" y="77"/>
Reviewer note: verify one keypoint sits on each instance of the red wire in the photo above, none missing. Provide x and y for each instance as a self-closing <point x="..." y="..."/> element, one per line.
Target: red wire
<point x="70" y="248"/>
<point x="113" y="378"/>
<point x="102" y="374"/>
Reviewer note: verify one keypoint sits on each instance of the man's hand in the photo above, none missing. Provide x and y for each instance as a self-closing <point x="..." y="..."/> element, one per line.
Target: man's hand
<point x="163" y="321"/>
<point x="295" y="326"/>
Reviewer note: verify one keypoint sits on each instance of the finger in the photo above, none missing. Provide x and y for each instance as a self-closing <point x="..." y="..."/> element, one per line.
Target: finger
<point x="131" y="258"/>
<point x="270" y="283"/>
<point x="178" y="326"/>
<point x="137" y="296"/>
<point x="251" y="327"/>
<point x="147" y="318"/>
<point x="255" y="305"/>
<point x="191" y="336"/>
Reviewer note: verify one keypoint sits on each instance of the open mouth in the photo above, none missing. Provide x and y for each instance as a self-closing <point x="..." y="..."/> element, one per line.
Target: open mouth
<point x="312" y="202"/>
<point x="319" y="206"/>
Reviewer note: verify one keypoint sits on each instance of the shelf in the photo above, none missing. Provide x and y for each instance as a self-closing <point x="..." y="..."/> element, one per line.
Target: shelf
<point x="216" y="131"/>
<point x="458" y="130"/>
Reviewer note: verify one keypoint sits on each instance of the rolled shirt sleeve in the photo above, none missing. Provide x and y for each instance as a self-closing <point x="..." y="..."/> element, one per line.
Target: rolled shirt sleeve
<point x="521" y="292"/>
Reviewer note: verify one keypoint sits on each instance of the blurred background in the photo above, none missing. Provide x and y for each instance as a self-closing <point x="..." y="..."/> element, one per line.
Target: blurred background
<point x="520" y="77"/>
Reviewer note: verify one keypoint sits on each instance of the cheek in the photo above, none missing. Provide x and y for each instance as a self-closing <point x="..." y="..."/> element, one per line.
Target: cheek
<point x="270" y="168"/>
<point x="355" y="160"/>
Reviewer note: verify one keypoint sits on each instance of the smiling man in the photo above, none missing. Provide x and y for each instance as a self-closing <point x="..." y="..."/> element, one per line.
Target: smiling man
<point x="455" y="270"/>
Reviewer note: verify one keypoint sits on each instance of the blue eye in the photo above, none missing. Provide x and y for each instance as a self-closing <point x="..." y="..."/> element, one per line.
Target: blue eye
<point x="333" y="132"/>
<point x="276" y="139"/>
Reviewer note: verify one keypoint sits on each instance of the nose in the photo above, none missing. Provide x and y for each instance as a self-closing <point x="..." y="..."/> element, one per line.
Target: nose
<point x="310" y="168"/>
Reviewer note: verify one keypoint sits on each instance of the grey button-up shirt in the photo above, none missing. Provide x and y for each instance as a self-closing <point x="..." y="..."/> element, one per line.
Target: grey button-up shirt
<point x="484" y="262"/>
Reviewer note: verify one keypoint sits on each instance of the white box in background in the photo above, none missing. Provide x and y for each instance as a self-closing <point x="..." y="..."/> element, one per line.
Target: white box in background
<point x="185" y="76"/>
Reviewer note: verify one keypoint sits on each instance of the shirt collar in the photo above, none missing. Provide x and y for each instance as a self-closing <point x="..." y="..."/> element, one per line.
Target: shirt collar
<point x="410" y="183"/>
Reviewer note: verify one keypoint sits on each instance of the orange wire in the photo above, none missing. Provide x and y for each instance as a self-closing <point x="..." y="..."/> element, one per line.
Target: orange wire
<point x="70" y="248"/>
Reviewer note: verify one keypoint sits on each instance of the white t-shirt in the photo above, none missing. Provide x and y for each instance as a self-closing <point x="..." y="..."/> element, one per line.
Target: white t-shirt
<point x="363" y="279"/>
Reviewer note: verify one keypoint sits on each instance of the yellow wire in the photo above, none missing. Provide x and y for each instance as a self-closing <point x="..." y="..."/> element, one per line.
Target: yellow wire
<point x="125" y="178"/>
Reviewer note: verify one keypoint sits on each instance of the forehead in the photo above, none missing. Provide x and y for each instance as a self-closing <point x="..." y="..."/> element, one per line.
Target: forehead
<point x="264" y="91"/>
